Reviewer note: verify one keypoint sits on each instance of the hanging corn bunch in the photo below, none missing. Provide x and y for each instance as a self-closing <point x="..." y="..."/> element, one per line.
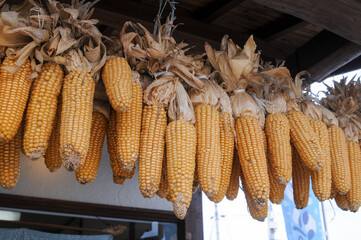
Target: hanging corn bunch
<point x="235" y="67"/>
<point x="343" y="98"/>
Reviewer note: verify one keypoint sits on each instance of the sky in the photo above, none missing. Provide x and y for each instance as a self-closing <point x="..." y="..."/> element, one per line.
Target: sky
<point x="235" y="221"/>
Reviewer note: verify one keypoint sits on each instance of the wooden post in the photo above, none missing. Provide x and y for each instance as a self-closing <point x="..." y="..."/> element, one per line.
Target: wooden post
<point x="194" y="218"/>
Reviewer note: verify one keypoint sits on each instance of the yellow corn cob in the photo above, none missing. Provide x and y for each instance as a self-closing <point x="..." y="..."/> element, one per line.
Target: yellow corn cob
<point x="278" y="136"/>
<point x="181" y="141"/>
<point x="128" y="129"/>
<point x="321" y="180"/>
<point x="163" y="189"/>
<point x="340" y="165"/>
<point x="88" y="172"/>
<point x="10" y="162"/>
<point x="277" y="190"/>
<point x="76" y="118"/>
<point x="208" y="149"/>
<point x="119" y="175"/>
<point x="233" y="187"/>
<point x="354" y="194"/>
<point x="52" y="157"/>
<point x="14" y="93"/>
<point x="300" y="180"/>
<point x="305" y="140"/>
<point x="253" y="158"/>
<point x="257" y="214"/>
<point x="117" y="78"/>
<point x="341" y="201"/>
<point x="154" y="122"/>
<point x="41" y="110"/>
<point x="227" y="151"/>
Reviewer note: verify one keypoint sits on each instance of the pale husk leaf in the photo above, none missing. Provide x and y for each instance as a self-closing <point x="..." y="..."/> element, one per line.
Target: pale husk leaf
<point x="160" y="91"/>
<point x="180" y="106"/>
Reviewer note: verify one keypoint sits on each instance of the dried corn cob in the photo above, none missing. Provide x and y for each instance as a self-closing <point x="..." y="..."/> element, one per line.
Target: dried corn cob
<point x="233" y="187"/>
<point x="257" y="214"/>
<point x="14" y="93"/>
<point x="278" y="136"/>
<point x="117" y="78"/>
<point x="52" y="157"/>
<point x="10" y="162"/>
<point x="41" y="110"/>
<point x="208" y="149"/>
<point x="154" y="122"/>
<point x="128" y="129"/>
<point x="305" y="140"/>
<point x="181" y="140"/>
<point x="354" y="194"/>
<point x="76" y="118"/>
<point x="340" y="165"/>
<point x="321" y="180"/>
<point x="277" y="190"/>
<point x="88" y="172"/>
<point x="300" y="180"/>
<point x="227" y="151"/>
<point x="119" y="176"/>
<point x="341" y="201"/>
<point x="163" y="189"/>
<point x="276" y="193"/>
<point x="253" y="158"/>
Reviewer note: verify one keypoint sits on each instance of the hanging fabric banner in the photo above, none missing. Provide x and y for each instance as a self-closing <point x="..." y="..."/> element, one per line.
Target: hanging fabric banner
<point x="304" y="224"/>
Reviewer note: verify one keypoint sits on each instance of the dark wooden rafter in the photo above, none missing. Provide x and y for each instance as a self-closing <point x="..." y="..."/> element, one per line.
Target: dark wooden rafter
<point x="340" y="17"/>
<point x="335" y="60"/>
<point x="322" y="55"/>
<point x="216" y="9"/>
<point x="192" y="30"/>
<point x="351" y="66"/>
<point x="280" y="28"/>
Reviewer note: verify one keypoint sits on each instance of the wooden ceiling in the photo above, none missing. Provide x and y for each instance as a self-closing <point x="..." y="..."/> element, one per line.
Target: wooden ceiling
<point x="321" y="36"/>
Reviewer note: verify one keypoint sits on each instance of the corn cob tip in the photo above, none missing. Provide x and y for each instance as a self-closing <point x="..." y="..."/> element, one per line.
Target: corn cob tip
<point x="180" y="207"/>
<point x="119" y="179"/>
<point x="353" y="208"/>
<point x="84" y="181"/>
<point x="127" y="167"/>
<point x="72" y="162"/>
<point x="36" y="154"/>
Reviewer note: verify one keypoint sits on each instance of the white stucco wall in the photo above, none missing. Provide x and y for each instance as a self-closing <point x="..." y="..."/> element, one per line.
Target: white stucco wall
<point x="36" y="181"/>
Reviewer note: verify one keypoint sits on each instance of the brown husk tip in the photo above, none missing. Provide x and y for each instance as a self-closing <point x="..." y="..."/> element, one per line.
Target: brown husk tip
<point x="180" y="106"/>
<point x="160" y="91"/>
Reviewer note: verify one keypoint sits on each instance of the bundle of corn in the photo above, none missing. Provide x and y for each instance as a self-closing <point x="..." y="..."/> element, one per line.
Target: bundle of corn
<point x="166" y="60"/>
<point x="343" y="98"/>
<point x="181" y="143"/>
<point x="235" y="67"/>
<point x="83" y="56"/>
<point x="322" y="121"/>
<point x="19" y="37"/>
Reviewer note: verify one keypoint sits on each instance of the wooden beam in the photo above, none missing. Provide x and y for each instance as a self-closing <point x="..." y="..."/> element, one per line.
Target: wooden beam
<point x="280" y="28"/>
<point x="341" y="17"/>
<point x="335" y="60"/>
<point x="351" y="66"/>
<point x="192" y="31"/>
<point x="216" y="9"/>
<point x="314" y="51"/>
<point x="194" y="218"/>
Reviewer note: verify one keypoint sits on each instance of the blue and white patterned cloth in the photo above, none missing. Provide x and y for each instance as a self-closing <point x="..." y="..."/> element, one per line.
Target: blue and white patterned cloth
<point x="27" y="234"/>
